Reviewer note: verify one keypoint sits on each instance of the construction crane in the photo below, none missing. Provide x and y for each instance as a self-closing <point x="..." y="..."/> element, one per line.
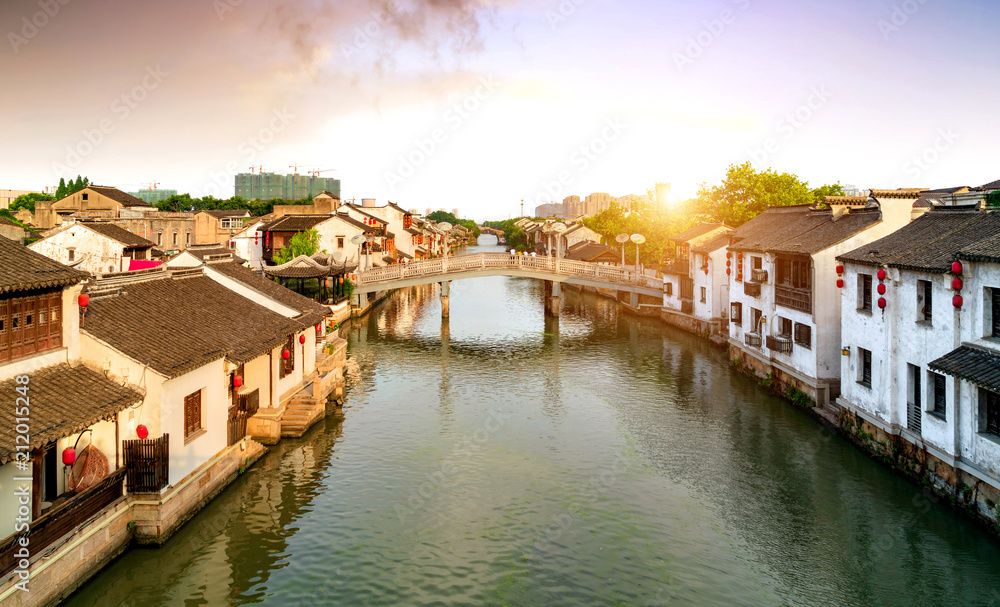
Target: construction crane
<point x="152" y="186"/>
<point x="315" y="173"/>
<point x="296" y="168"/>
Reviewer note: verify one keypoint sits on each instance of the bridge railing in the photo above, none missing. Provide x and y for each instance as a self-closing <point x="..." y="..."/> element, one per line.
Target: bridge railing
<point x="482" y="261"/>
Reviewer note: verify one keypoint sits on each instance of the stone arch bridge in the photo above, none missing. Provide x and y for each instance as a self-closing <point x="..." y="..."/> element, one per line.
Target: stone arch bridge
<point x="550" y="269"/>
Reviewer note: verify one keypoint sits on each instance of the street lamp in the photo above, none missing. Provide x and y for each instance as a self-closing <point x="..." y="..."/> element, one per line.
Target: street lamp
<point x="558" y="228"/>
<point x="638" y="239"/>
<point x="622" y="239"/>
<point x="359" y="240"/>
<point x="445" y="227"/>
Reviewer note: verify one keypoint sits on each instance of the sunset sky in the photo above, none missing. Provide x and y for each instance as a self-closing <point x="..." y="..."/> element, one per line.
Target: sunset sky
<point x="480" y="104"/>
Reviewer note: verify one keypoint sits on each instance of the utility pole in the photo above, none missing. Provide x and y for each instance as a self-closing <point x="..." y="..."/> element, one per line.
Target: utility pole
<point x="522" y="207"/>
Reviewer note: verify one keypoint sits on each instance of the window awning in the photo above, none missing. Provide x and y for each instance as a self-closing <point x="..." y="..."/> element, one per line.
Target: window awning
<point x="974" y="364"/>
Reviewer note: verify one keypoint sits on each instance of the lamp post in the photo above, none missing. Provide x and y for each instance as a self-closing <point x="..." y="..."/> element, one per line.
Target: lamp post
<point x="445" y="227"/>
<point x="638" y="239"/>
<point x="622" y="239"/>
<point x="359" y="240"/>
<point x="558" y="228"/>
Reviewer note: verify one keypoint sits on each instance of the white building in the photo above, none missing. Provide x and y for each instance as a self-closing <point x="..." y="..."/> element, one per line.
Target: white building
<point x="399" y="222"/>
<point x="784" y="302"/>
<point x="919" y="364"/>
<point x="696" y="299"/>
<point x="95" y="247"/>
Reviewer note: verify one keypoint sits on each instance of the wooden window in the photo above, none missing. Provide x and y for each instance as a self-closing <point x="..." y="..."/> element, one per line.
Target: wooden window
<point x="914" y="400"/>
<point x="340" y="242"/>
<point x="668" y="288"/>
<point x="30" y="324"/>
<point x="924" y="301"/>
<point x="939" y="400"/>
<point x="192" y="414"/>
<point x="736" y="313"/>
<point x="287" y="365"/>
<point x="803" y="335"/>
<point x="72" y="254"/>
<point x="757" y="263"/>
<point x="755" y="315"/>
<point x="865" y="292"/>
<point x="703" y="295"/>
<point x="989" y="412"/>
<point x="865" y="375"/>
<point x="786" y="327"/>
<point x="995" y="310"/>
<point x="159" y="239"/>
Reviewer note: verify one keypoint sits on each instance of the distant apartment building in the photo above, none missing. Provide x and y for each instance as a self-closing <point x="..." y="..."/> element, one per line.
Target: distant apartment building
<point x="8" y="196"/>
<point x="597" y="202"/>
<point x="268" y="186"/>
<point x="153" y="195"/>
<point x="572" y="206"/>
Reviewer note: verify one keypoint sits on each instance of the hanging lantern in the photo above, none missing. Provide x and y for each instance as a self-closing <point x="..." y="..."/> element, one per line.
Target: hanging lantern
<point x="739" y="256"/>
<point x="881" y="274"/>
<point x="69" y="456"/>
<point x="840" y="283"/>
<point x="83" y="300"/>
<point x="256" y="237"/>
<point x="728" y="271"/>
<point x="285" y="354"/>
<point x="956" y="283"/>
<point x="319" y="328"/>
<point x="237" y="381"/>
<point x="881" y="289"/>
<point x="728" y="263"/>
<point x="729" y="254"/>
<point x="840" y="269"/>
<point x="881" y="302"/>
<point x="141" y="431"/>
<point x="956" y="267"/>
<point x="302" y="339"/>
<point x="957" y="301"/>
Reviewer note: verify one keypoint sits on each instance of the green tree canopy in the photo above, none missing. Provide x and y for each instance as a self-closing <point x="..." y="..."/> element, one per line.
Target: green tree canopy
<point x="71" y="187"/>
<point x="746" y="193"/>
<point x="993" y="199"/>
<point x="27" y="201"/>
<point x="439" y="216"/>
<point x="827" y="190"/>
<point x="304" y="243"/>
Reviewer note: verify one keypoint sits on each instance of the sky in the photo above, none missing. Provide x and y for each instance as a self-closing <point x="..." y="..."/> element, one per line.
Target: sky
<point x="480" y="104"/>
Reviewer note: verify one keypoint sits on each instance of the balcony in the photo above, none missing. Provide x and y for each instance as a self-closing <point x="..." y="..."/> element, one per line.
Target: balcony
<point x="752" y="339"/>
<point x="758" y="276"/>
<point x="796" y="299"/>
<point x="779" y="344"/>
<point x="751" y="288"/>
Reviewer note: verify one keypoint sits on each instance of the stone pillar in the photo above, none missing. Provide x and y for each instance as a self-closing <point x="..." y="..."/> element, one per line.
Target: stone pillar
<point x="633" y="300"/>
<point x="445" y="295"/>
<point x="552" y="298"/>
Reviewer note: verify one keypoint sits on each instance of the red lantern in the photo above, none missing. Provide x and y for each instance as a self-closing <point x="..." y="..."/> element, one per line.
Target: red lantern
<point x="319" y="328"/>
<point x="706" y="271"/>
<point x="840" y="269"/>
<point x="285" y="354"/>
<point x="728" y="263"/>
<point x="141" y="431"/>
<point x="881" y="302"/>
<point x="957" y="301"/>
<point x="956" y="283"/>
<point x="237" y="381"/>
<point x="740" y="256"/>
<point x="881" y="289"/>
<point x="83" y="300"/>
<point x="729" y="254"/>
<point x="256" y="236"/>
<point x="302" y="339"/>
<point x="956" y="267"/>
<point x="881" y="274"/>
<point x="69" y="456"/>
<point x="728" y="271"/>
<point x="840" y="283"/>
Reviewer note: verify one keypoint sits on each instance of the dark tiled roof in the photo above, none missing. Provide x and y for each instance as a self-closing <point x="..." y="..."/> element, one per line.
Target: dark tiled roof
<point x="829" y="232"/>
<point x="590" y="251"/>
<point x="849" y="200"/>
<point x="312" y="312"/>
<point x="118" y="234"/>
<point x="358" y="224"/>
<point x="947" y="190"/>
<point x="993" y="185"/>
<point x="220" y="213"/>
<point x="929" y="242"/>
<point x="971" y="363"/>
<point x="22" y="269"/>
<point x="64" y="400"/>
<point x="900" y="193"/>
<point x="175" y="325"/>
<point x="119" y="196"/>
<point x="699" y="230"/>
<point x="776" y="225"/>
<point x="716" y="243"/>
<point x="202" y="251"/>
<point x="987" y="249"/>
<point x="293" y="223"/>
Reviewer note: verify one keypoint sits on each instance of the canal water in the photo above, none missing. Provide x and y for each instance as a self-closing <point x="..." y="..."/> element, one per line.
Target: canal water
<point x="503" y="458"/>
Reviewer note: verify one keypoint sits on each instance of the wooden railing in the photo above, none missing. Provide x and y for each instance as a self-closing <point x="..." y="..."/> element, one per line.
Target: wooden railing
<point x="796" y="299"/>
<point x="236" y="427"/>
<point x="492" y="261"/>
<point x="751" y="288"/>
<point x="148" y="464"/>
<point x="62" y="519"/>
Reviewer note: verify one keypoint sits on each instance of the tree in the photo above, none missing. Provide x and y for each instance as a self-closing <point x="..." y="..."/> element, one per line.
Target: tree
<point x="746" y="192"/>
<point x="993" y="199"/>
<point x="70" y="187"/>
<point x="439" y="216"/>
<point x="304" y="243"/>
<point x="61" y="190"/>
<point x="827" y="190"/>
<point x="27" y="201"/>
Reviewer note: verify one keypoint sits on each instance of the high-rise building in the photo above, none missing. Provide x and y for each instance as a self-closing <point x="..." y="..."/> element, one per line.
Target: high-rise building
<point x="455" y="213"/>
<point x="597" y="202"/>
<point x="153" y="196"/>
<point x="268" y="186"/>
<point x="572" y="206"/>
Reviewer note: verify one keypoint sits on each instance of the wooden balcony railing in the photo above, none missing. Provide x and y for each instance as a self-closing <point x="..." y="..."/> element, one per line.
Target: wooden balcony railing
<point x="779" y="344"/>
<point x="796" y="299"/>
<point x="752" y="339"/>
<point x="758" y="275"/>
<point x="751" y="288"/>
<point x="148" y="464"/>
<point x="62" y="519"/>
